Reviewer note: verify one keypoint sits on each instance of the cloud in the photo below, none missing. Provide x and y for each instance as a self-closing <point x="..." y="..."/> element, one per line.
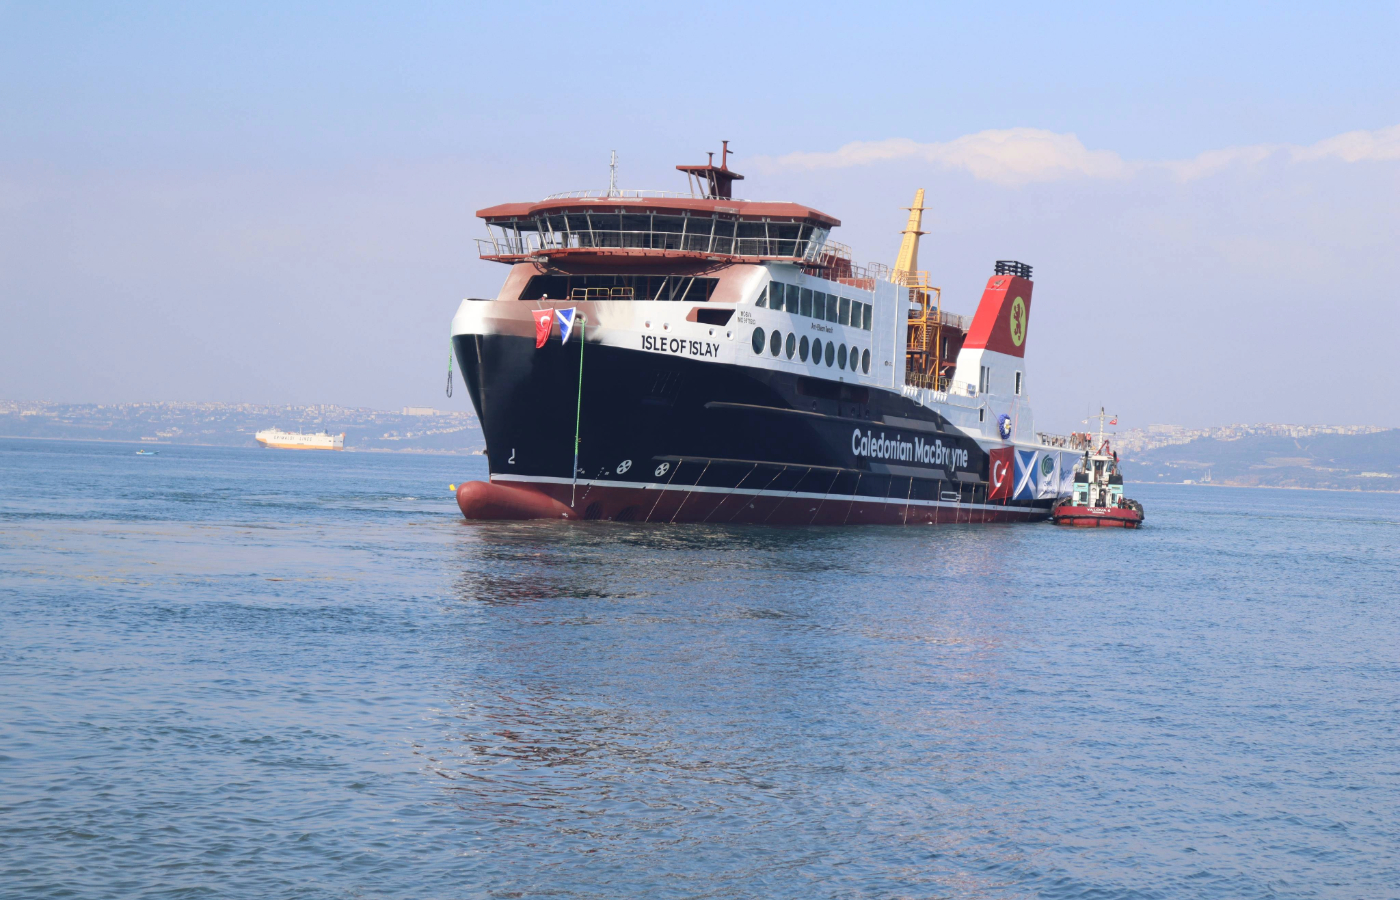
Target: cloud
<point x="1018" y="156"/>
<point x="1381" y="145"/>
<point x="1011" y="156"/>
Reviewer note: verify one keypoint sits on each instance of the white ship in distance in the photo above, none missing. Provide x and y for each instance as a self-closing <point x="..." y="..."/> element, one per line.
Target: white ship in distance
<point x="296" y="440"/>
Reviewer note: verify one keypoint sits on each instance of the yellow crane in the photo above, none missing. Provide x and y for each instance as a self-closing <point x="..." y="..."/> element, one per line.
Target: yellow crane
<point x="922" y="363"/>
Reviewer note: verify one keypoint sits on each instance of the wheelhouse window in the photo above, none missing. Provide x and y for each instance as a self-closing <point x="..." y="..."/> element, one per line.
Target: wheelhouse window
<point x="1018" y="384"/>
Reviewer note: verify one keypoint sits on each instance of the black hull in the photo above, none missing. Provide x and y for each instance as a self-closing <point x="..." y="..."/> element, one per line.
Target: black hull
<point x="672" y="439"/>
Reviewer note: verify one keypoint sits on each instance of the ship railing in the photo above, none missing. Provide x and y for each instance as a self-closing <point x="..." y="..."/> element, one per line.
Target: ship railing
<point x="1056" y="440"/>
<point x="927" y="380"/>
<point x="963" y="389"/>
<point x="602" y="293"/>
<point x="621" y="195"/>
<point x="529" y="243"/>
<point x="938" y="317"/>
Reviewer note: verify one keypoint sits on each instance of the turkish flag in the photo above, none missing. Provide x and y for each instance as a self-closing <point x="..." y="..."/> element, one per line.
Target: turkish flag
<point x="1000" y="474"/>
<point x="544" y="321"/>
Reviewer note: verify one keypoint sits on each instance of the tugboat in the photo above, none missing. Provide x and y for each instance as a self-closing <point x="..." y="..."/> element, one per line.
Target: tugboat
<point x="1097" y="500"/>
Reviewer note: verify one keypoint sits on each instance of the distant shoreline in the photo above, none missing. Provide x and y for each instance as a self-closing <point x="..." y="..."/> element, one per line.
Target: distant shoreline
<point x="1265" y="487"/>
<point x="62" y="440"/>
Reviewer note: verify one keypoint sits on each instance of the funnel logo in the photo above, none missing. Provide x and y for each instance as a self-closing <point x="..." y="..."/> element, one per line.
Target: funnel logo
<point x="1018" y="321"/>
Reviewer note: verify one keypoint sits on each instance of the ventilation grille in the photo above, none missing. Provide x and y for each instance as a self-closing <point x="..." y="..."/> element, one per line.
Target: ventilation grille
<point x="1012" y="267"/>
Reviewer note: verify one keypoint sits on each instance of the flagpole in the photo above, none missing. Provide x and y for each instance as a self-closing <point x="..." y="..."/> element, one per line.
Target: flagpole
<point x="578" y="411"/>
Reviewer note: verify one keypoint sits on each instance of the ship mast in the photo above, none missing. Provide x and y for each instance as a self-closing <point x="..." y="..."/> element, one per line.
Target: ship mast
<point x="1101" y="416"/>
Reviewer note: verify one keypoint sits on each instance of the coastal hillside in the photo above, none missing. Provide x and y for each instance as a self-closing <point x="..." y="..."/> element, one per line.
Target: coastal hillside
<point x="1367" y="462"/>
<point x="234" y="424"/>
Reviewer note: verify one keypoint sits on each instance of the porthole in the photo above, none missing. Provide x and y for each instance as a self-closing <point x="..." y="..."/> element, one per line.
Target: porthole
<point x="855" y="358"/>
<point x="791" y="347"/>
<point x="830" y="352"/>
<point x="865" y="362"/>
<point x="802" y="348"/>
<point x="841" y="357"/>
<point x="817" y="351"/>
<point x="758" y="340"/>
<point x="775" y="343"/>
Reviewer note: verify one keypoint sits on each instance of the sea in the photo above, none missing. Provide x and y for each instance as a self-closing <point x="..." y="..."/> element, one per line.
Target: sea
<point x="282" y="674"/>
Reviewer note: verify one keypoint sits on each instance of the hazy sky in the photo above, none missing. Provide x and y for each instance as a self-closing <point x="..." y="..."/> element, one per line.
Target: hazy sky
<point x="241" y="202"/>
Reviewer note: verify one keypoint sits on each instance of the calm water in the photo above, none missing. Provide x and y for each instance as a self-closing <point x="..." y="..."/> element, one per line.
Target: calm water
<point x="250" y="673"/>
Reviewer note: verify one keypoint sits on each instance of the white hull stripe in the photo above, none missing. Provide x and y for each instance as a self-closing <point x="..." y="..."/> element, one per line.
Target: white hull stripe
<point x="783" y="495"/>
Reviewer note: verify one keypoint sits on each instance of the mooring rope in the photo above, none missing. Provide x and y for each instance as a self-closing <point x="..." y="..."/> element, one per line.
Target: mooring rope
<point x="578" y="411"/>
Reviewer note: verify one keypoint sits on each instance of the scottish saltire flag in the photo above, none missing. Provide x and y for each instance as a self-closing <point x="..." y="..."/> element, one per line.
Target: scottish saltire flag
<point x="1049" y="476"/>
<point x="566" y="323"/>
<point x="1067" y="462"/>
<point x="1026" y="461"/>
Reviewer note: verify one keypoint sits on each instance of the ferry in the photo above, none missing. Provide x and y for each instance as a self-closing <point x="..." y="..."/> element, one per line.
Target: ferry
<point x="296" y="440"/>
<point x="693" y="357"/>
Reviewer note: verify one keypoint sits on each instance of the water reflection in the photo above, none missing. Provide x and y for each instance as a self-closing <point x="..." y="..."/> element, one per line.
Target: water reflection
<point x="744" y="706"/>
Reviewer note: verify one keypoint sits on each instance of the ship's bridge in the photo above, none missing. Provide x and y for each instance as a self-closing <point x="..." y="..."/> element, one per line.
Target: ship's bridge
<point x="647" y="227"/>
<point x="651" y="226"/>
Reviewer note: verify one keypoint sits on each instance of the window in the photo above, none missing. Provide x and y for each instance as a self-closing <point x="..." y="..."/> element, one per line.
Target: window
<point x="1018" y="384"/>
<point x="816" y="351"/>
<point x="791" y="345"/>
<point x="762" y="300"/>
<point x="841" y="357"/>
<point x="775" y="343"/>
<point x="984" y="379"/>
<point x="867" y="313"/>
<point x="830" y="352"/>
<point x="793" y="295"/>
<point x="802" y="349"/>
<point x="758" y="340"/>
<point x="806" y="302"/>
<point x="819" y="306"/>
<point x="831" y="309"/>
<point x="865" y="357"/>
<point x="844" y="314"/>
<point x="982" y="414"/>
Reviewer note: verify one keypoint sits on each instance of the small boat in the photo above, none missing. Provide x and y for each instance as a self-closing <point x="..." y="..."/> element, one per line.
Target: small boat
<point x="1097" y="500"/>
<point x="148" y="453"/>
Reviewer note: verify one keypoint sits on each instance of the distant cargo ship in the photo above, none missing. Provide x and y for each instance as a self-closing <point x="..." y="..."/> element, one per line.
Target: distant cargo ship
<point x="296" y="440"/>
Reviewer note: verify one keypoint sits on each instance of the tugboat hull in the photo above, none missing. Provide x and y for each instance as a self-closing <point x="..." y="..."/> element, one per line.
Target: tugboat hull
<point x="1096" y="517"/>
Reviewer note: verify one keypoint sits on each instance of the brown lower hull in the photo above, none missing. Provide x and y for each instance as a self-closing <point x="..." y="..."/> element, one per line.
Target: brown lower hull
<point x="494" y="501"/>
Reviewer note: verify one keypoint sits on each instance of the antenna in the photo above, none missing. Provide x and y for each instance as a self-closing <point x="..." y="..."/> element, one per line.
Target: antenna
<point x="612" y="175"/>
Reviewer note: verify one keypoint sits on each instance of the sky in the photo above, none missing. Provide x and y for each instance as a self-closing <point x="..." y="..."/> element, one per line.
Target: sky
<point x="275" y="203"/>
